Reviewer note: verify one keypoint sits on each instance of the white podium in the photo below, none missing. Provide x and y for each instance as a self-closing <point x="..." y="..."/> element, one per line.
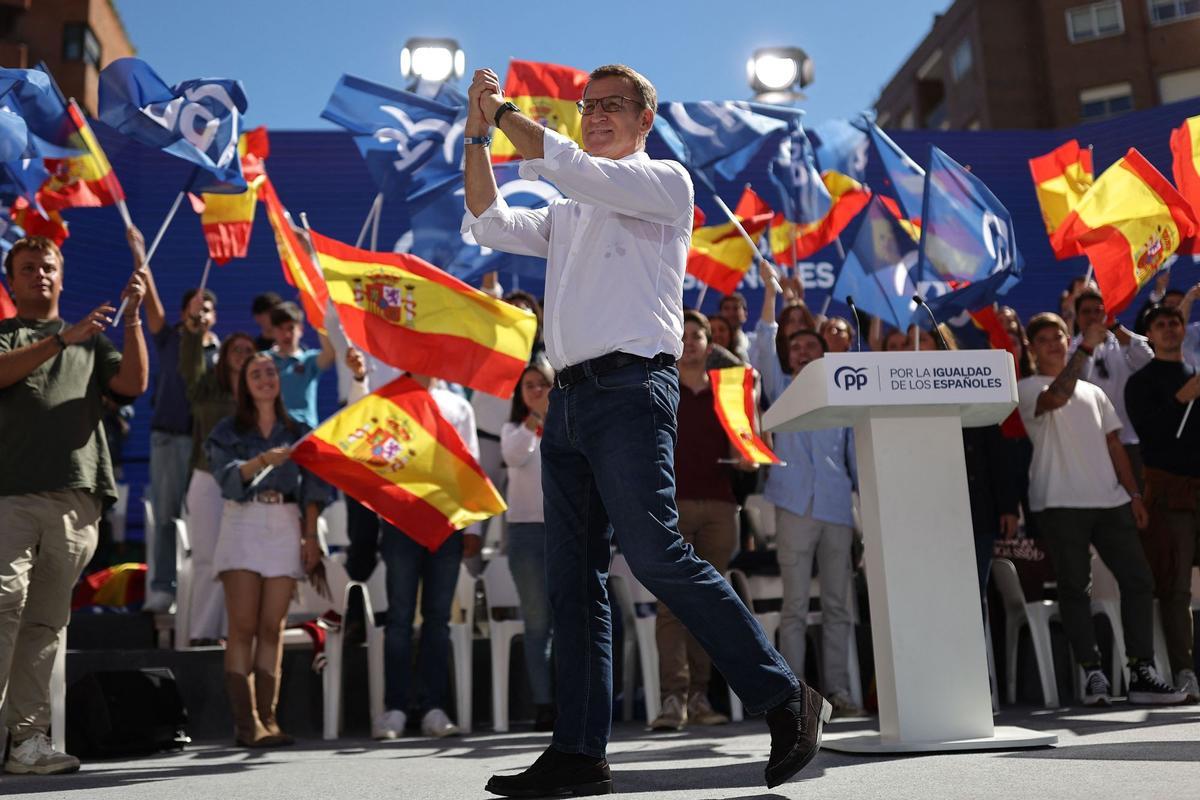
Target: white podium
<point x="907" y="410"/>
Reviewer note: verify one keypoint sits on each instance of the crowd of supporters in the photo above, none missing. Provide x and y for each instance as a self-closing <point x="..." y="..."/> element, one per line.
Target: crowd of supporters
<point x="1100" y="455"/>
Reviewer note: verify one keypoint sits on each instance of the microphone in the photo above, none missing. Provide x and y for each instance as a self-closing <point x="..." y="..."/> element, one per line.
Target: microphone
<point x="936" y="330"/>
<point x="857" y="323"/>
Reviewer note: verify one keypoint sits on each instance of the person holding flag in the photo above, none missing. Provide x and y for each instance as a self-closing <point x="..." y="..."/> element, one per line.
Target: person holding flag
<point x="616" y="250"/>
<point x="811" y="493"/>
<point x="53" y="379"/>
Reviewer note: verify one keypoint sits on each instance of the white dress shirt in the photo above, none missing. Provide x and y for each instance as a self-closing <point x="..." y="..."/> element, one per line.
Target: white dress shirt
<point x="1110" y="367"/>
<point x="615" y="250"/>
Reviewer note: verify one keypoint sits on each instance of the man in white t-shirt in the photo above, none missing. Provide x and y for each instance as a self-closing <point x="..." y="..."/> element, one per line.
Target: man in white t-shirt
<point x="1082" y="489"/>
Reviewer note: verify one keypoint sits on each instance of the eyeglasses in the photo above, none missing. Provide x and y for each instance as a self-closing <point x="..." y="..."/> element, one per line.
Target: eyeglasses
<point x="610" y="105"/>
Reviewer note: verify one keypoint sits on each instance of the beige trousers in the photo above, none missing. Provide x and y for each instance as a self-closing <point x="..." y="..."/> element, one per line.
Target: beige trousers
<point x="46" y="539"/>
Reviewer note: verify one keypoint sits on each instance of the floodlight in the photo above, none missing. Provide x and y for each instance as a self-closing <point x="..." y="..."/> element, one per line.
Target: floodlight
<point x="436" y="60"/>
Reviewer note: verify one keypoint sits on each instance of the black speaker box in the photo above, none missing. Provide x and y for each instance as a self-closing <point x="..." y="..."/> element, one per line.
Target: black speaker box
<point x="121" y="713"/>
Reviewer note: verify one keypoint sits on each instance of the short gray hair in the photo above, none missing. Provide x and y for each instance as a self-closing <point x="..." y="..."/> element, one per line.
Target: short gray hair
<point x="645" y="89"/>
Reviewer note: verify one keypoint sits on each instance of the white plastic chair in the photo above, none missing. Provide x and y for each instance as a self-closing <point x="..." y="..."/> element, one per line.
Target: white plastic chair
<point x="500" y="590"/>
<point x="1106" y="600"/>
<point x="184" y="581"/>
<point x="629" y="592"/>
<point x="462" y="637"/>
<point x="1018" y="613"/>
<point x="341" y="587"/>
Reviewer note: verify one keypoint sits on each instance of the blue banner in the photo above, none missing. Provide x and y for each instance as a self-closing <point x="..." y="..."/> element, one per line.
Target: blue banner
<point x="412" y="145"/>
<point x="876" y="272"/>
<point x="32" y="95"/>
<point x="903" y="178"/>
<point x="197" y="120"/>
<point x="841" y="147"/>
<point x="968" y="242"/>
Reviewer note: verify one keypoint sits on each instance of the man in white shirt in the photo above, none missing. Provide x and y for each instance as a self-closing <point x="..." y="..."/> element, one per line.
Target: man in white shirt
<point x="616" y="247"/>
<point x="1083" y="493"/>
<point x="1117" y="356"/>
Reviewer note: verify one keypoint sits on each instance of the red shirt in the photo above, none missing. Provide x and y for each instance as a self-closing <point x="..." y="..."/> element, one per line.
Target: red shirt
<point x="701" y="445"/>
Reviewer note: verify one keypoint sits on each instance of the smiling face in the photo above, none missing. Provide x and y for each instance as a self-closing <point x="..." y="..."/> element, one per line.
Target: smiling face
<point x="262" y="379"/>
<point x="534" y="388"/>
<point x="695" y="346"/>
<point x="36" y="278"/>
<point x="615" y="134"/>
<point x="803" y="349"/>
<point x="1166" y="335"/>
<point x="240" y="349"/>
<point x="1049" y="348"/>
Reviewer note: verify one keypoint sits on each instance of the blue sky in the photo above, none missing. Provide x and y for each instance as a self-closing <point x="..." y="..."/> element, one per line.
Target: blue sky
<point x="289" y="53"/>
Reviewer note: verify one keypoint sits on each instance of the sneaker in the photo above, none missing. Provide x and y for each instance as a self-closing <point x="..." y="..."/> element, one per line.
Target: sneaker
<point x="843" y="706"/>
<point x="435" y="723"/>
<point x="159" y="602"/>
<point x="1096" y="688"/>
<point x="1146" y="687"/>
<point x="796" y="726"/>
<point x="1186" y="682"/>
<point x="673" y="715"/>
<point x="37" y="756"/>
<point x="701" y="712"/>
<point x="556" y="774"/>
<point x="389" y="725"/>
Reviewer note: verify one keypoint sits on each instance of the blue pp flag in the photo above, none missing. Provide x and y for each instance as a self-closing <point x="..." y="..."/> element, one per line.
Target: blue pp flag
<point x="23" y="178"/>
<point x="877" y="269"/>
<point x="437" y="238"/>
<point x="32" y="95"/>
<point x="412" y="145"/>
<point x="721" y="142"/>
<point x="841" y="147"/>
<point x="197" y="120"/>
<point x="796" y="189"/>
<point x="14" y="136"/>
<point x="905" y="178"/>
<point x="10" y="232"/>
<point x="968" y="244"/>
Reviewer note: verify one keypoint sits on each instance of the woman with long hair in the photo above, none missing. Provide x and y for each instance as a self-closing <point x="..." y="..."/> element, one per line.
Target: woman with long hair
<point x="520" y="442"/>
<point x="211" y="391"/>
<point x="268" y="540"/>
<point x="795" y="316"/>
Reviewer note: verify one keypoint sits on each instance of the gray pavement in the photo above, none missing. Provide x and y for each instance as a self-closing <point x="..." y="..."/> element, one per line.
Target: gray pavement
<point x="1123" y="752"/>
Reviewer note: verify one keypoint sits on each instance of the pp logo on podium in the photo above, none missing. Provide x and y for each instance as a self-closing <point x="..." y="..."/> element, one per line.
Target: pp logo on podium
<point x="850" y="378"/>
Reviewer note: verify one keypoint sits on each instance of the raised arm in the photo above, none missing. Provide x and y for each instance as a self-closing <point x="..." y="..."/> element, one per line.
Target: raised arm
<point x="1062" y="388"/>
<point x="156" y="317"/>
<point x="134" y="375"/>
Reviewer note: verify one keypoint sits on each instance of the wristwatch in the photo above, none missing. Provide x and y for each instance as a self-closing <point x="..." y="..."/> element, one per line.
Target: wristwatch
<point x="508" y="106"/>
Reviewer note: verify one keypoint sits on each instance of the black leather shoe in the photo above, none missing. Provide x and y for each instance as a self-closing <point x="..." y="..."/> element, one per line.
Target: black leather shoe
<point x="796" y="727"/>
<point x="556" y="774"/>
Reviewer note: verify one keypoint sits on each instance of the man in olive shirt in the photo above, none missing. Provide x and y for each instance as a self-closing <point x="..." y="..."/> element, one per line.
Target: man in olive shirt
<point x="57" y="474"/>
<point x="1157" y="398"/>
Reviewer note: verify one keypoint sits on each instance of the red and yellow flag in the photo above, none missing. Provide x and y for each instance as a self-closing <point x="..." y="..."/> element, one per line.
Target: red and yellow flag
<point x="414" y="316"/>
<point x="298" y="267"/>
<point x="7" y="307"/>
<point x="395" y="453"/>
<point x="52" y="226"/>
<point x="85" y="180"/>
<point x="546" y="93"/>
<point x="719" y="257"/>
<point x="847" y="196"/>
<point x="733" y="397"/>
<point x="1060" y="179"/>
<point x="1185" y="165"/>
<point x="227" y="219"/>
<point x="1128" y="224"/>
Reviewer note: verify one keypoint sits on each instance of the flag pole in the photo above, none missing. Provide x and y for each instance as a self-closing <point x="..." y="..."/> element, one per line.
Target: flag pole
<point x="375" y="223"/>
<point x="376" y="204"/>
<point x="124" y="211"/>
<point x="1186" y="412"/>
<point x="737" y="223"/>
<point x="162" y="229"/>
<point x="204" y="275"/>
<point x="269" y="468"/>
<point x="700" y="297"/>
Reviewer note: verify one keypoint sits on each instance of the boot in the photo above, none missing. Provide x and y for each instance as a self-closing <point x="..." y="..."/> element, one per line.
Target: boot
<point x="248" y="731"/>
<point x="266" y="697"/>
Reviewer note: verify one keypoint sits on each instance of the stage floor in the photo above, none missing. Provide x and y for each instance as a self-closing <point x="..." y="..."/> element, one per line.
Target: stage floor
<point x="1122" y="752"/>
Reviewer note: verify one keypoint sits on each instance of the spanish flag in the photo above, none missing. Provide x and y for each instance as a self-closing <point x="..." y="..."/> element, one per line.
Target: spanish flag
<point x="719" y="256"/>
<point x="847" y="198"/>
<point x="1127" y="224"/>
<point x="51" y="224"/>
<point x="1061" y="178"/>
<point x="414" y="316"/>
<point x="546" y="93"/>
<point x="733" y="397"/>
<point x="1185" y="164"/>
<point x="85" y="180"/>
<point x="911" y="226"/>
<point x="7" y="308"/>
<point x="227" y="219"/>
<point x="298" y="267"/>
<point x="395" y="453"/>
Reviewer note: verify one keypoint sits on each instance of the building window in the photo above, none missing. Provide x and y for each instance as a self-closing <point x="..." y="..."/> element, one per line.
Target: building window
<point x="1103" y="102"/>
<point x="960" y="62"/>
<point x="80" y="44"/>
<point x="1096" y="21"/>
<point x="1164" y="11"/>
<point x="1176" y="86"/>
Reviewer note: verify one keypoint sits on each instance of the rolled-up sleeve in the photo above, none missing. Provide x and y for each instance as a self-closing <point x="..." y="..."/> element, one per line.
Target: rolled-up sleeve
<point x="314" y="490"/>
<point x="522" y="231"/>
<point x="223" y="457"/>
<point x="764" y="359"/>
<point x="650" y="189"/>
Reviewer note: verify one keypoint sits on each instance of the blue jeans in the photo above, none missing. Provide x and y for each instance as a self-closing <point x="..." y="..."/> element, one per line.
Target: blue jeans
<point x="608" y="456"/>
<point x="410" y="565"/>
<point x="170" y="468"/>
<point x="527" y="561"/>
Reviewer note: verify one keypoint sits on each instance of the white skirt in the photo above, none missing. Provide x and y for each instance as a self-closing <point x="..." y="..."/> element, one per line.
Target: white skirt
<point x="260" y="537"/>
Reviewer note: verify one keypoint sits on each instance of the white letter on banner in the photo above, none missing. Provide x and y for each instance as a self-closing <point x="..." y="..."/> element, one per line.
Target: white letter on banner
<point x="212" y="123"/>
<point x="407" y="156"/>
<point x="167" y="115"/>
<point x="995" y="238"/>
